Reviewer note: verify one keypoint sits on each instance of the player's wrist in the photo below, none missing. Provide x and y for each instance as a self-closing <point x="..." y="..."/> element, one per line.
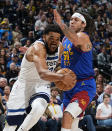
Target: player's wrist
<point x="62" y="76"/>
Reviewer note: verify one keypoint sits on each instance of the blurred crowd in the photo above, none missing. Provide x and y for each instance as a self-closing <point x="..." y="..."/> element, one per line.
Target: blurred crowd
<point x="23" y="21"/>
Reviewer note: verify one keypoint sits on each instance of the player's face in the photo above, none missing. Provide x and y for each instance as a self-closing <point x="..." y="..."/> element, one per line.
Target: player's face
<point x="52" y="40"/>
<point x="76" y="24"/>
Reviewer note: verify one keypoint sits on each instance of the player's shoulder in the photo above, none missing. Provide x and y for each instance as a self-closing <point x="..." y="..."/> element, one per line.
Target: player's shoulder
<point x="39" y="45"/>
<point x="36" y="49"/>
<point x="83" y="35"/>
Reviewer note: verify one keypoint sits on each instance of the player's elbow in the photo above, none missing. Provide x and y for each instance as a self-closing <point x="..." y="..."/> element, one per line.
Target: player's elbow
<point x="42" y="74"/>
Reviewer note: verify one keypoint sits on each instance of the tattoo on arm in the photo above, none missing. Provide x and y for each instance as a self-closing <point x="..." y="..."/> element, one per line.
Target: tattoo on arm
<point x="67" y="31"/>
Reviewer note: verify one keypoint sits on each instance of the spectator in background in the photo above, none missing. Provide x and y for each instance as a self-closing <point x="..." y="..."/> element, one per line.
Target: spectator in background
<point x="8" y="10"/>
<point x="104" y="112"/>
<point x="39" y="15"/>
<point x="88" y="121"/>
<point x="107" y="46"/>
<point x="1" y="44"/>
<point x="3" y="54"/>
<point x="50" y="20"/>
<point x="99" y="89"/>
<point x="12" y="81"/>
<point x="30" y="21"/>
<point x="6" y="93"/>
<point x="109" y="26"/>
<point x="5" y="28"/>
<point x="55" y="93"/>
<point x="103" y="59"/>
<point x="28" y="43"/>
<point x="40" y="25"/>
<point x="107" y="90"/>
<point x="3" y="65"/>
<point x="3" y="83"/>
<point x="5" y="40"/>
<point x="31" y="36"/>
<point x="52" y="116"/>
<point x="12" y="72"/>
<point x="96" y="70"/>
<point x="17" y="45"/>
<point x="14" y="59"/>
<point x="100" y="79"/>
<point x="16" y="32"/>
<point x="56" y="115"/>
<point x="1" y="73"/>
<point x="1" y="92"/>
<point x="111" y="58"/>
<point x="2" y="113"/>
<point x="31" y="6"/>
<point x="13" y="52"/>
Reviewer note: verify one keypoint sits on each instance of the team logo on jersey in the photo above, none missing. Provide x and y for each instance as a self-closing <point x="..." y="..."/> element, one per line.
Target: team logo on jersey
<point x="83" y="102"/>
<point x="82" y="84"/>
<point x="51" y="63"/>
<point x="67" y="53"/>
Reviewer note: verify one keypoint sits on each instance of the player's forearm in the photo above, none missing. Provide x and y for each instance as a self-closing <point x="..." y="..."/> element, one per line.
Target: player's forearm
<point x="50" y="76"/>
<point x="69" y="33"/>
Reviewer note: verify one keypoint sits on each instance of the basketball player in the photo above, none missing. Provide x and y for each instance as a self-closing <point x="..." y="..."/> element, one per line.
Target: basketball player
<point x="34" y="79"/>
<point x="77" y="55"/>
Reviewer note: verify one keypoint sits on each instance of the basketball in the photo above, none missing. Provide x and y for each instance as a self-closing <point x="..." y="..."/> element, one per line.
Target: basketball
<point x="60" y="84"/>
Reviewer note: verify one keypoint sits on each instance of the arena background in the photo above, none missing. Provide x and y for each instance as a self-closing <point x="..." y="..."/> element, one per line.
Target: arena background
<point x="23" y="21"/>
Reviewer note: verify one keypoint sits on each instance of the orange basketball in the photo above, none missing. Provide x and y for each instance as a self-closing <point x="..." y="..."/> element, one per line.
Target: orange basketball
<point x="60" y="84"/>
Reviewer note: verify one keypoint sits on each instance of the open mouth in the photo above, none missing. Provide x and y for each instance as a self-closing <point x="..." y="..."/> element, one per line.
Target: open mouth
<point x="53" y="46"/>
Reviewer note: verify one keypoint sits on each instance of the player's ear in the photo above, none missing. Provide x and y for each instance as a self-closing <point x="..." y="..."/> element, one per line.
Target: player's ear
<point x="83" y="24"/>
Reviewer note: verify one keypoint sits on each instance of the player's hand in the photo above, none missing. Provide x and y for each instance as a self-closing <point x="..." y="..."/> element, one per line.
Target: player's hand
<point x="69" y="80"/>
<point x="57" y="17"/>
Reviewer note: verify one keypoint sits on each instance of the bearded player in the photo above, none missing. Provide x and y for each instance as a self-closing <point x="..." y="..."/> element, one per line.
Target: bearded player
<point x="34" y="81"/>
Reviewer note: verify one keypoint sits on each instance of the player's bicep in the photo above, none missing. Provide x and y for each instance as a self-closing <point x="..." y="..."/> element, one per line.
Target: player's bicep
<point x="84" y="42"/>
<point x="39" y="58"/>
<point x="29" y="54"/>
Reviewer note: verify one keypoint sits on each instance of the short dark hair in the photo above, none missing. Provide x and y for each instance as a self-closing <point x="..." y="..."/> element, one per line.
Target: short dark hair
<point x="104" y="96"/>
<point x="52" y="28"/>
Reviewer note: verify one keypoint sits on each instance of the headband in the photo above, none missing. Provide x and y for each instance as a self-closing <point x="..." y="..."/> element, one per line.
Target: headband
<point x="80" y="16"/>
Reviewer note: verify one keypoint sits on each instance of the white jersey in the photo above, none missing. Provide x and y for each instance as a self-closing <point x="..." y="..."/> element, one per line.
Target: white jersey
<point x="29" y="83"/>
<point x="29" y="73"/>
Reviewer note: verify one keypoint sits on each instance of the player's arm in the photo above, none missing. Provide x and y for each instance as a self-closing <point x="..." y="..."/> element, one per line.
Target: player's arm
<point x="37" y="54"/>
<point x="68" y="32"/>
<point x="80" y="40"/>
<point x="61" y="48"/>
<point x="85" y="43"/>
